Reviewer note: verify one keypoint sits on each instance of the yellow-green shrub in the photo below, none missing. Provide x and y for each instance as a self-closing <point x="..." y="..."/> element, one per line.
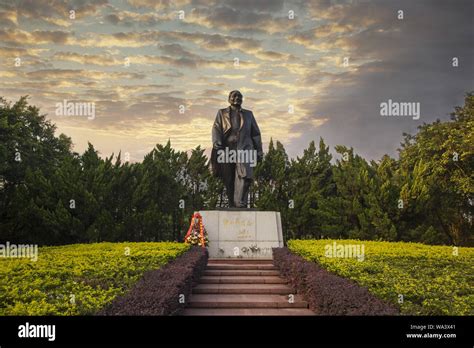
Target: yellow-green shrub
<point x="77" y="279"/>
<point x="421" y="279"/>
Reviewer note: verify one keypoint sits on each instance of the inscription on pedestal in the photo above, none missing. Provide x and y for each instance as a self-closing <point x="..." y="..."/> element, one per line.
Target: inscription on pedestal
<point x="242" y="234"/>
<point x="237" y="226"/>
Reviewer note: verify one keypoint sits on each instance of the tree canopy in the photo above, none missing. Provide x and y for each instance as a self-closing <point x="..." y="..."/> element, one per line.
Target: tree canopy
<point x="50" y="194"/>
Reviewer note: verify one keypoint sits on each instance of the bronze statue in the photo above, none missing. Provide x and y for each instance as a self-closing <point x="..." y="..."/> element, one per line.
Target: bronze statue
<point x="237" y="147"/>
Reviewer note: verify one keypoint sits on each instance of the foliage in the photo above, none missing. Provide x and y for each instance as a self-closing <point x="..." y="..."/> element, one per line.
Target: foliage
<point x="50" y="195"/>
<point x="77" y="279"/>
<point x="55" y="196"/>
<point x="438" y="190"/>
<point x="432" y="280"/>
<point x="426" y="195"/>
<point x="326" y="293"/>
<point x="163" y="291"/>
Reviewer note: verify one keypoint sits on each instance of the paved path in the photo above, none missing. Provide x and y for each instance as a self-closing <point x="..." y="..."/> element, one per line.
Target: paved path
<point x="244" y="287"/>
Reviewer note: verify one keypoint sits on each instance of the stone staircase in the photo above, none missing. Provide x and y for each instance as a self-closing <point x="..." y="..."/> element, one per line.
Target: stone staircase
<point x="244" y="287"/>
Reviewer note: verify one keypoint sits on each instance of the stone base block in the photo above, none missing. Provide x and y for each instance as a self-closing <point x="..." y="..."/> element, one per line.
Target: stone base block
<point x="242" y="234"/>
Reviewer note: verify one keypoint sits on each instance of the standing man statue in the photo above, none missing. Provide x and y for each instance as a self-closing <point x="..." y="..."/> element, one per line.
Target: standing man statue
<point x="237" y="147"/>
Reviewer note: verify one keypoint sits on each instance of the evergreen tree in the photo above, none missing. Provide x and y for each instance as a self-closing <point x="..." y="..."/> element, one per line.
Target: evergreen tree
<point x="271" y="180"/>
<point x="52" y="195"/>
<point x="310" y="183"/>
<point x="438" y="182"/>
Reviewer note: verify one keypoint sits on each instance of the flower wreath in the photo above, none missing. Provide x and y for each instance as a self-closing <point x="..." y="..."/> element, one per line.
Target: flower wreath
<point x="197" y="234"/>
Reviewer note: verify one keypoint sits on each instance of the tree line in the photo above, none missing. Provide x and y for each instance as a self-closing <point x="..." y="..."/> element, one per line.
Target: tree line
<point x="51" y="195"/>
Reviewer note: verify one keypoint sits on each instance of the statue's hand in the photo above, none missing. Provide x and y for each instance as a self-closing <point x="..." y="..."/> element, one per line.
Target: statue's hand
<point x="218" y="146"/>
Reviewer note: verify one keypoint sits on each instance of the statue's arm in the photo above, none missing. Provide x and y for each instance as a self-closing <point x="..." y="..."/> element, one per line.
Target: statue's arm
<point x="217" y="133"/>
<point x="256" y="138"/>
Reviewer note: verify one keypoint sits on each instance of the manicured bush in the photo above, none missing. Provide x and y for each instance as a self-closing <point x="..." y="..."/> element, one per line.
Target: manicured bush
<point x="419" y="279"/>
<point x="78" y="279"/>
<point x="159" y="291"/>
<point x="326" y="293"/>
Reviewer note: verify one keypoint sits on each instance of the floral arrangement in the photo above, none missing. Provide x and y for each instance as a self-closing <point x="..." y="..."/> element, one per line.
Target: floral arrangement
<point x="197" y="234"/>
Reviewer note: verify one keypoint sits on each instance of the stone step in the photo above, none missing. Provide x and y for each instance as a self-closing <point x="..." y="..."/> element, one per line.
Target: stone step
<point x="254" y="266"/>
<point x="241" y="280"/>
<point x="281" y="289"/>
<point x="245" y="301"/>
<point x="240" y="261"/>
<point x="247" y="311"/>
<point x="240" y="272"/>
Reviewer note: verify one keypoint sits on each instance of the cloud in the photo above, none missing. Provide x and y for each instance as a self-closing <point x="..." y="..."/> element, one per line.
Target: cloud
<point x="241" y="18"/>
<point x="49" y="36"/>
<point x="194" y="62"/>
<point x="404" y="61"/>
<point x="174" y="49"/>
<point x="120" y="39"/>
<point x="8" y="18"/>
<point x="20" y="52"/>
<point x="287" y="86"/>
<point x="323" y="37"/>
<point x="19" y="37"/>
<point x="88" y="59"/>
<point x="48" y="74"/>
<point x="211" y="42"/>
<point x="137" y="19"/>
<point x="257" y="6"/>
<point x="160" y="4"/>
<point x="51" y="13"/>
<point x="282" y="62"/>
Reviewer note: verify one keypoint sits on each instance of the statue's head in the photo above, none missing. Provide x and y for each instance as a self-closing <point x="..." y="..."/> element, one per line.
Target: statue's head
<point x="235" y="98"/>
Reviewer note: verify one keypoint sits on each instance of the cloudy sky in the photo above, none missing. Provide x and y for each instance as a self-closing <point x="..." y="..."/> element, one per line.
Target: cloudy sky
<point x="330" y="62"/>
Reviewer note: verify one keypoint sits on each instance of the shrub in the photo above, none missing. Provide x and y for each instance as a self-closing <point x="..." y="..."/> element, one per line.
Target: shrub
<point x="426" y="279"/>
<point x="158" y="292"/>
<point x="326" y="293"/>
<point x="78" y="279"/>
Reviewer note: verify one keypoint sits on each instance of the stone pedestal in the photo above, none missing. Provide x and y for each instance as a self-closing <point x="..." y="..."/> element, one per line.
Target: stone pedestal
<point x="242" y="233"/>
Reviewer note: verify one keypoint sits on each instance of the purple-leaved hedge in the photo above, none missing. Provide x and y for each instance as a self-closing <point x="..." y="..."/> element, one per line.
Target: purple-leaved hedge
<point x="158" y="291"/>
<point x="327" y="293"/>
